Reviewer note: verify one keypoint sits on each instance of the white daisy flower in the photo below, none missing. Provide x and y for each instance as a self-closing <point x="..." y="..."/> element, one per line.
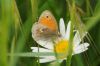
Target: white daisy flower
<point x="61" y="45"/>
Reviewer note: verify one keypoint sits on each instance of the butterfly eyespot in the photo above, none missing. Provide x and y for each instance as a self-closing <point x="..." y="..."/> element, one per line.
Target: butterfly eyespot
<point x="47" y="16"/>
<point x="43" y="30"/>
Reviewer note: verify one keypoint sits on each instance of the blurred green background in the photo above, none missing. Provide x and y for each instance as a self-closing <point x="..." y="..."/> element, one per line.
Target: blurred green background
<point x="17" y="17"/>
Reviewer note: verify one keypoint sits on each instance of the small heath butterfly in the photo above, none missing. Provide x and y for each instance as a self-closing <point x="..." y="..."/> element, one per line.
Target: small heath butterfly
<point x="46" y="27"/>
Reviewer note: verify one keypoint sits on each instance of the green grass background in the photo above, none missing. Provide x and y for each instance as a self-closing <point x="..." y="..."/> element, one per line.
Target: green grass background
<point x="17" y="17"/>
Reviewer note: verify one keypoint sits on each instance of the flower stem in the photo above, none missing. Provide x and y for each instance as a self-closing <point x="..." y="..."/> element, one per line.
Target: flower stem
<point x="71" y="5"/>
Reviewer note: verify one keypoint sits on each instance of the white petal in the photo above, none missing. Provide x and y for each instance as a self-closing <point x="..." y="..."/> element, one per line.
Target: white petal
<point x="80" y="48"/>
<point x="46" y="44"/>
<point x="78" y="37"/>
<point x="36" y="49"/>
<point x="62" y="27"/>
<point x="67" y="36"/>
<point x="53" y="58"/>
<point x="47" y="59"/>
<point x="79" y="51"/>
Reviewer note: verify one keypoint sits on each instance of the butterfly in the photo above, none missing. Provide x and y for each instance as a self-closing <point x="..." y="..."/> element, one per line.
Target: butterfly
<point x="46" y="28"/>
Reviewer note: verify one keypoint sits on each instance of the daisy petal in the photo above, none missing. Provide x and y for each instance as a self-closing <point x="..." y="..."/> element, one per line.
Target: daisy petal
<point x="51" y="58"/>
<point x="80" y="48"/>
<point x="77" y="38"/>
<point x="62" y="27"/>
<point x="67" y="35"/>
<point x="47" y="59"/>
<point x="35" y="49"/>
<point x="46" y="44"/>
<point x="79" y="51"/>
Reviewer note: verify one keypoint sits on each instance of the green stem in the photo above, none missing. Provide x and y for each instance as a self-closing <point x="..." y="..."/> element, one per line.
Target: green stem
<point x="72" y="14"/>
<point x="5" y="21"/>
<point x="12" y="52"/>
<point x="34" y="6"/>
<point x="88" y="8"/>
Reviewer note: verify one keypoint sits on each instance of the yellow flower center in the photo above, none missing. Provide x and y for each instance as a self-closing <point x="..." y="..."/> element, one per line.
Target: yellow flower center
<point x="62" y="47"/>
